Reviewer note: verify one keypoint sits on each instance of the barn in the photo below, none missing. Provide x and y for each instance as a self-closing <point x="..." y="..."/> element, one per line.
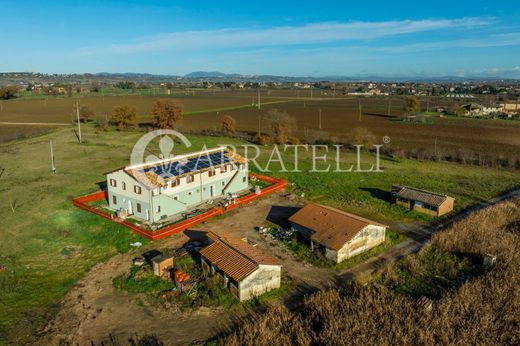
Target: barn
<point x="336" y="234"/>
<point x="245" y="270"/>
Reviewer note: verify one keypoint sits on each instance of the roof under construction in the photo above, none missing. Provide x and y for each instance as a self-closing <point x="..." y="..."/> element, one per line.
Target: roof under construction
<point x="234" y="256"/>
<point x="410" y="193"/>
<point x="332" y="227"/>
<point x="158" y="173"/>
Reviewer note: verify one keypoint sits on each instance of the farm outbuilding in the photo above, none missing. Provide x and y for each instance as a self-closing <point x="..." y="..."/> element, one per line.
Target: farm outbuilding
<point x="426" y="202"/>
<point x="162" y="264"/>
<point x="242" y="268"/>
<point x="336" y="234"/>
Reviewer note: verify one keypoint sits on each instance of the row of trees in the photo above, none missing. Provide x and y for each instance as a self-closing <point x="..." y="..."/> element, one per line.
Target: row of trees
<point x="166" y="115"/>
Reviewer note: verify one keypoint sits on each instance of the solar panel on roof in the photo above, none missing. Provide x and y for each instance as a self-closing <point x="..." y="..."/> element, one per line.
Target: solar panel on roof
<point x="176" y="168"/>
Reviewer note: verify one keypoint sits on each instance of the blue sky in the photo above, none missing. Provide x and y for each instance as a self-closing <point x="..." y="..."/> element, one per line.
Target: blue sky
<point x="300" y="38"/>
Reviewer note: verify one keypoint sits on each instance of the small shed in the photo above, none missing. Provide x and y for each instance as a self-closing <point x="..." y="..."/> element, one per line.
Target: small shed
<point x="423" y="201"/>
<point x="162" y="264"/>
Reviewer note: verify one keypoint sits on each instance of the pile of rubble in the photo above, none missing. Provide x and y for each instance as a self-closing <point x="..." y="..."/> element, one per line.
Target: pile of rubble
<point x="277" y="233"/>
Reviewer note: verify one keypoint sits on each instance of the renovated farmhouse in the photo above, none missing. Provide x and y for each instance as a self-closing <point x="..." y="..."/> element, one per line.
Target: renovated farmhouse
<point x="167" y="188"/>
<point x="241" y="267"/>
<point x="336" y="234"/>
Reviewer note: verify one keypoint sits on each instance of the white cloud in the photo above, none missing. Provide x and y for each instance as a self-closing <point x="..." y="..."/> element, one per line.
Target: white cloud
<point x="315" y="33"/>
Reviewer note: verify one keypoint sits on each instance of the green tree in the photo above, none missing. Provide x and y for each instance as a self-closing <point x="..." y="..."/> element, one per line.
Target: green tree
<point x="166" y="114"/>
<point x="124" y="116"/>
<point x="411" y="105"/>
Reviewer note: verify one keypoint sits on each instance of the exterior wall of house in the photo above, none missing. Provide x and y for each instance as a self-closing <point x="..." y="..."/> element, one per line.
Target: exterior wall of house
<point x="125" y="196"/>
<point x="446" y="207"/>
<point x="266" y="278"/>
<point x="170" y="201"/>
<point x="366" y="239"/>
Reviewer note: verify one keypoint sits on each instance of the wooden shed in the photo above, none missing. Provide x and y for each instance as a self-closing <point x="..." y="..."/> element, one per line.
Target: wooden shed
<point x="162" y="264"/>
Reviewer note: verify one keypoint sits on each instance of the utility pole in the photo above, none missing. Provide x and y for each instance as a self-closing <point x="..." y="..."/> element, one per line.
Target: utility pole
<point x="311" y="92"/>
<point x="259" y="124"/>
<point x="79" y="123"/>
<point x="53" y="163"/>
<point x="258" y="99"/>
<point x="320" y="119"/>
<point x="252" y="101"/>
<point x="360" y="110"/>
<point x="389" y="107"/>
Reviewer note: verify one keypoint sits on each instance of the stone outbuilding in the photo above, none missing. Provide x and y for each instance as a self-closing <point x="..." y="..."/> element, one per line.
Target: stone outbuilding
<point x="336" y="234"/>
<point x="245" y="270"/>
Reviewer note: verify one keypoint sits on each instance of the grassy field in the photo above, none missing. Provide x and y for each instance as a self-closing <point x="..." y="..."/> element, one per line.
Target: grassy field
<point x="46" y="244"/>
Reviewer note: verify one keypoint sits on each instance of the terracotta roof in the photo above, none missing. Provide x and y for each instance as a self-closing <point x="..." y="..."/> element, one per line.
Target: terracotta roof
<point x="332" y="227"/>
<point x="234" y="256"/>
<point x="431" y="198"/>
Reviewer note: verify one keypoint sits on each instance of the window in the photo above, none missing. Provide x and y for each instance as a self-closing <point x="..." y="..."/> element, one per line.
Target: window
<point x="190" y="193"/>
<point x="419" y="204"/>
<point x="211" y="173"/>
<point x="223" y="169"/>
<point x="158" y="209"/>
<point x="244" y="179"/>
<point x="114" y="200"/>
<point x="113" y="183"/>
<point x="223" y="183"/>
<point x="123" y="185"/>
<point x="190" y="178"/>
<point x="138" y="207"/>
<point x="137" y="189"/>
<point x="176" y="198"/>
<point x="175" y="182"/>
<point x="231" y="167"/>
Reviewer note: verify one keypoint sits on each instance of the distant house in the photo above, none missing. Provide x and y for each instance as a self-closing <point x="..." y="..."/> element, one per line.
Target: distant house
<point x="334" y="233"/>
<point x="473" y="109"/>
<point x="422" y="201"/>
<point x="243" y="269"/>
<point x="511" y="107"/>
<point x="167" y="188"/>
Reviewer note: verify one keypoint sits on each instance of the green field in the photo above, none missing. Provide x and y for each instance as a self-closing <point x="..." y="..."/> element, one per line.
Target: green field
<point x="46" y="244"/>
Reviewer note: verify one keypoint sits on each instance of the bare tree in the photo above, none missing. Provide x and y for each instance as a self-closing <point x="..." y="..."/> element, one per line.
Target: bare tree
<point x="281" y="125"/>
<point x="86" y="114"/>
<point x="167" y="114"/>
<point x="228" y="124"/>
